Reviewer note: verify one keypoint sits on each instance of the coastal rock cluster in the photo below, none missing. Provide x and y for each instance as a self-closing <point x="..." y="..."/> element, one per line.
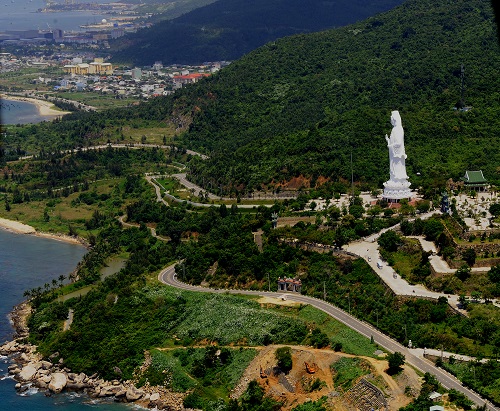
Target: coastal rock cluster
<point x="30" y="369"/>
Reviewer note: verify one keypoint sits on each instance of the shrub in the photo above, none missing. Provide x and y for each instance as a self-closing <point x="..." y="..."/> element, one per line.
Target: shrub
<point x="389" y="241"/>
<point x="396" y="361"/>
<point x="284" y="357"/>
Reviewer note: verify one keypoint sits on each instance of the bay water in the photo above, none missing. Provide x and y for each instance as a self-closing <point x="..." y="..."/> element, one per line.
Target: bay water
<point x="20" y="112"/>
<point x="28" y="262"/>
<point x="23" y="15"/>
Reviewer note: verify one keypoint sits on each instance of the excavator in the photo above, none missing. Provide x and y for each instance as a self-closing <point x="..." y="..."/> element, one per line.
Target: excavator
<point x="310" y="368"/>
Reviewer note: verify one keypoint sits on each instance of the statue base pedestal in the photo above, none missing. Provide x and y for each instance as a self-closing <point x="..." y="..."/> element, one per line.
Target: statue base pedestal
<point x="395" y="190"/>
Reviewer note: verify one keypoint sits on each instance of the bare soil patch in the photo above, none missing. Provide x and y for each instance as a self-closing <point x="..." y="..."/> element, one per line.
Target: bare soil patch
<point x="393" y="388"/>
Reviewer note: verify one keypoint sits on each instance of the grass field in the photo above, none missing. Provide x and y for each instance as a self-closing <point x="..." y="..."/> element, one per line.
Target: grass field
<point x="352" y="342"/>
<point x="60" y="210"/>
<point x="150" y="135"/>
<point x="404" y="263"/>
<point x="98" y="100"/>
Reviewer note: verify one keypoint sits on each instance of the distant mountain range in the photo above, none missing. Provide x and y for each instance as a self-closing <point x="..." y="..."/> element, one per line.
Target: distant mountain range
<point x="228" y="29"/>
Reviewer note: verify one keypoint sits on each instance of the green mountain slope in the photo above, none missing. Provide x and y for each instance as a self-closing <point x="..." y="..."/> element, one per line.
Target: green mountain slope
<point x="170" y="9"/>
<point x="227" y="29"/>
<point x="301" y="105"/>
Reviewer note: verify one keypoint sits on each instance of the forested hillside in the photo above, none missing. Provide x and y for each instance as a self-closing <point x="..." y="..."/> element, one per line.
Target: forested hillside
<point x="299" y="106"/>
<point x="227" y="29"/>
<point x="303" y="104"/>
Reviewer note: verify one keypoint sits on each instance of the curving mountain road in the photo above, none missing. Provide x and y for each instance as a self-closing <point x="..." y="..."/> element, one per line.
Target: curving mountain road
<point x="167" y="276"/>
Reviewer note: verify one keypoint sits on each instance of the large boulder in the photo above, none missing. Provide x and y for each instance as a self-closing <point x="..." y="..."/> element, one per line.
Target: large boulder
<point x="41" y="383"/>
<point x="121" y="394"/>
<point x="133" y="394"/>
<point x="45" y="378"/>
<point x="77" y="386"/>
<point x="8" y="348"/>
<point x="71" y="375"/>
<point x="80" y="378"/>
<point x="27" y="373"/>
<point x="110" y="390"/>
<point x="57" y="382"/>
<point x="46" y="365"/>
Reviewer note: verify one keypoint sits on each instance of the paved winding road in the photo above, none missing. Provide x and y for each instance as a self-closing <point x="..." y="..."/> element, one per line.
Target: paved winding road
<point x="152" y="179"/>
<point x="168" y="276"/>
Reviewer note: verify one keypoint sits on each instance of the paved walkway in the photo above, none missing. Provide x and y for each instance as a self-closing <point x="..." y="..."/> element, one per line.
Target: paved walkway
<point x="438" y="263"/>
<point x="368" y="250"/>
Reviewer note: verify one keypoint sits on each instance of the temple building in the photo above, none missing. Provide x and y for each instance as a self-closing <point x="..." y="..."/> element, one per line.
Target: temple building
<point x="289" y="284"/>
<point x="475" y="181"/>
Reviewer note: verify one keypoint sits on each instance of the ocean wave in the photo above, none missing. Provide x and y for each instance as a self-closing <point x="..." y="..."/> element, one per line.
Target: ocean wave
<point x="139" y="407"/>
<point x="67" y="398"/>
<point x="30" y="391"/>
<point x="6" y="377"/>
<point x="73" y="396"/>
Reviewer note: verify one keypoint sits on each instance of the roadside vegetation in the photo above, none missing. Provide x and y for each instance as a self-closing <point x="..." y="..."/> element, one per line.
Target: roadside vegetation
<point x="482" y="377"/>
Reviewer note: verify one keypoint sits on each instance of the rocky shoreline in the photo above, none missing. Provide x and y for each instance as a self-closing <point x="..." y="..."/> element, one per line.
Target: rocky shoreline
<point x="30" y="369"/>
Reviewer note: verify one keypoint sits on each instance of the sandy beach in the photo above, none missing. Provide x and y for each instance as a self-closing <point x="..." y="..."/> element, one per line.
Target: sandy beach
<point x="16" y="226"/>
<point x="45" y="108"/>
<point x="20" y="228"/>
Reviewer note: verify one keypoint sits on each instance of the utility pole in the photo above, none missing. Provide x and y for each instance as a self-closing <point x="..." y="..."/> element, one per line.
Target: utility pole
<point x="324" y="290"/>
<point x="352" y="180"/>
<point x="269" y="281"/>
<point x="462" y="81"/>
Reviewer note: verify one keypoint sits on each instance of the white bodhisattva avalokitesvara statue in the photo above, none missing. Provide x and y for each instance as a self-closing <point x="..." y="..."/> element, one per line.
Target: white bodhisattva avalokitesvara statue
<point x="398" y="187"/>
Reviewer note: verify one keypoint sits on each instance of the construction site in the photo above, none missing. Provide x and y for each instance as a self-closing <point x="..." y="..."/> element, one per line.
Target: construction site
<point x="313" y="376"/>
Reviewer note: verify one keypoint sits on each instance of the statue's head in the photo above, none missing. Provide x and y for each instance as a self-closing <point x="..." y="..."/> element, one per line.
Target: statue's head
<point x="395" y="118"/>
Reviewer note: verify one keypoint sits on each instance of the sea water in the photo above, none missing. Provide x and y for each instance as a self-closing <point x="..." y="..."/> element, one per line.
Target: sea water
<point x="20" y="112"/>
<point x="23" y="15"/>
<point x="28" y="262"/>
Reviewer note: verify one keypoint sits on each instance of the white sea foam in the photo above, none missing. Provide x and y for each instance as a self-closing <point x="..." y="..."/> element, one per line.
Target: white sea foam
<point x="139" y="407"/>
<point x="6" y="377"/>
<point x="72" y="396"/>
<point x="29" y="391"/>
